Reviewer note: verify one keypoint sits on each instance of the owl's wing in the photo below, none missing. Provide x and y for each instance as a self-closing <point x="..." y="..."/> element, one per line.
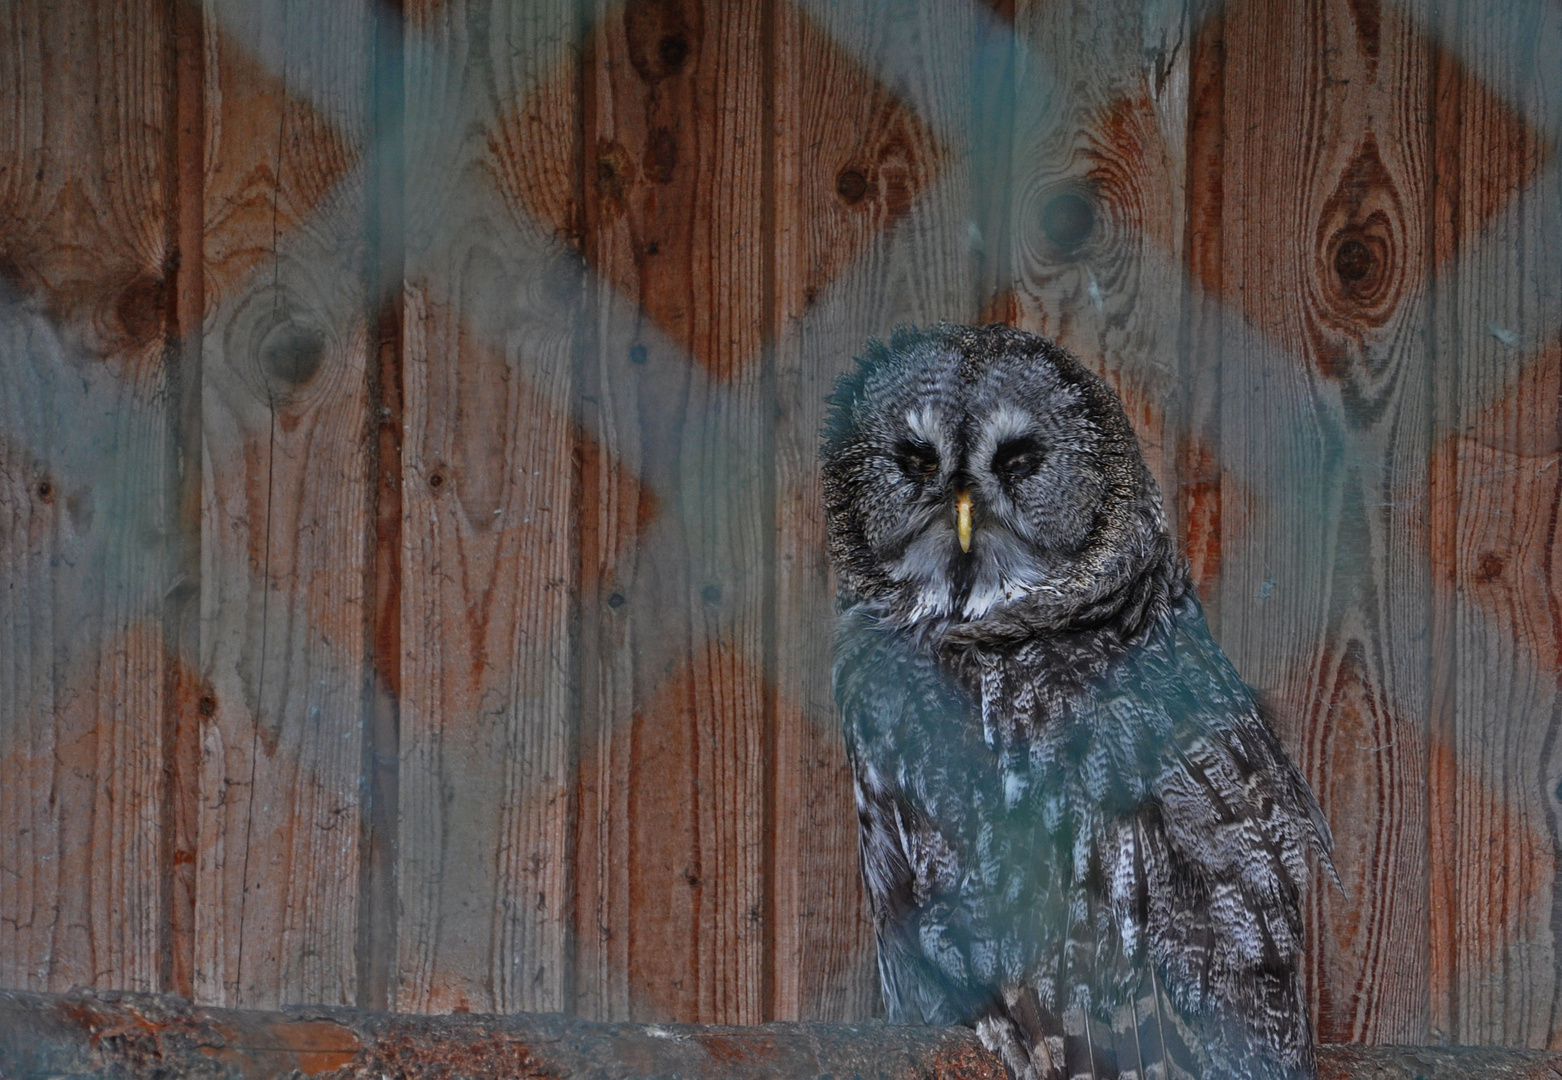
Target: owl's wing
<point x="1213" y="867"/>
<point x="921" y="985"/>
<point x="895" y="704"/>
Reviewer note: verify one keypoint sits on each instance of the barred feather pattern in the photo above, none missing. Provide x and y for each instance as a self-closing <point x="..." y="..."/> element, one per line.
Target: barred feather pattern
<point x="1070" y="845"/>
<point x="1079" y="833"/>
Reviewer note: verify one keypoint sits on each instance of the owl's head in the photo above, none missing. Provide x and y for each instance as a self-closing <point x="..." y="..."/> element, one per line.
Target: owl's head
<point x="977" y="474"/>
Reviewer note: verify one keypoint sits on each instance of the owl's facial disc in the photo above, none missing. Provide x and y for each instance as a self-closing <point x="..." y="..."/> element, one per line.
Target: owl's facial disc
<point x="968" y="471"/>
<point x="958" y="547"/>
<point x="1002" y="502"/>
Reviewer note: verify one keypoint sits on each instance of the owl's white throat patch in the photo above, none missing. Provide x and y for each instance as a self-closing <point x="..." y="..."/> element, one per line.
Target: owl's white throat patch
<point x="928" y="565"/>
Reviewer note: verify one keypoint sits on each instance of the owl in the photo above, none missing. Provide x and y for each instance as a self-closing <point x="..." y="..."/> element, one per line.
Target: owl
<point x="1078" y="831"/>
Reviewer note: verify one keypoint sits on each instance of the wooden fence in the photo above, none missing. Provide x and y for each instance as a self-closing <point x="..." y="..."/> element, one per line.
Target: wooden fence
<point x="413" y="579"/>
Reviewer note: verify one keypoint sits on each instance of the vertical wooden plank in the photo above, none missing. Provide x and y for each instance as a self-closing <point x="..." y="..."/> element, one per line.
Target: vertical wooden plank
<point x="286" y="503"/>
<point x="86" y="239"/>
<point x="672" y="788"/>
<point x="873" y="201"/>
<point x="1325" y="427"/>
<point x="385" y="275"/>
<point x="1496" y="762"/>
<point x="1197" y="501"/>
<point x="1097" y="219"/>
<point x="492" y="307"/>
<point x="188" y="696"/>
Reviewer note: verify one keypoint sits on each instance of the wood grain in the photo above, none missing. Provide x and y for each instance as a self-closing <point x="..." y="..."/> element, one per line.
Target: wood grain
<point x="1324" y="428"/>
<point x="492" y="304"/>
<point x="671" y="901"/>
<point x="1496" y="350"/>
<point x="870" y="231"/>
<point x="86" y="246"/>
<point x="515" y="696"/>
<point x="1197" y="502"/>
<point x="286" y="507"/>
<point x="1096" y="221"/>
<point x="385" y="259"/>
<point x="186" y="692"/>
<point x="63" y="1034"/>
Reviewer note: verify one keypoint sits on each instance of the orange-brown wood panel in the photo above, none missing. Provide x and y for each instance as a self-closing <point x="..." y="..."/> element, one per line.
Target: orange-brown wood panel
<point x="188" y="696"/>
<point x="1497" y="350"/>
<point x="874" y="197"/>
<point x="512" y="563"/>
<point x="489" y="557"/>
<point x="1196" y="504"/>
<point x="286" y="504"/>
<point x="87" y="242"/>
<point x="1096" y="219"/>
<point x="1324" y="428"/>
<point x="671" y="904"/>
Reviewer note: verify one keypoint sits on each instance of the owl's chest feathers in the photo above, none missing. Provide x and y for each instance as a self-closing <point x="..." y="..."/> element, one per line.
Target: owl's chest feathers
<point x="1042" y="689"/>
<point x="1021" y="754"/>
<point x="1037" y="688"/>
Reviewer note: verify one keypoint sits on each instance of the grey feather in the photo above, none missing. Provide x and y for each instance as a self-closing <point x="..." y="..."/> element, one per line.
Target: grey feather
<point x="1079" y="833"/>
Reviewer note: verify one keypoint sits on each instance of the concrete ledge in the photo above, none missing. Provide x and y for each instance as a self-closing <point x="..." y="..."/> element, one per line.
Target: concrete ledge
<point x="118" y="1034"/>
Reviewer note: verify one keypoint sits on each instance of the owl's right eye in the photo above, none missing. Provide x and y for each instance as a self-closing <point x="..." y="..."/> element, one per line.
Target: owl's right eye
<point x="917" y="460"/>
<point x="1017" y="459"/>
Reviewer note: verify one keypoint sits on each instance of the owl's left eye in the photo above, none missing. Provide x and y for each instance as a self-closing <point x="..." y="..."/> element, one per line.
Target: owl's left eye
<point x="1017" y="459"/>
<point x="918" y="460"/>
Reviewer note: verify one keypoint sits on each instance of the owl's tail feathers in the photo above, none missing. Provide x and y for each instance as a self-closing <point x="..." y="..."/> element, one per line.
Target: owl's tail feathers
<point x="1002" y="1036"/>
<point x="1032" y="1044"/>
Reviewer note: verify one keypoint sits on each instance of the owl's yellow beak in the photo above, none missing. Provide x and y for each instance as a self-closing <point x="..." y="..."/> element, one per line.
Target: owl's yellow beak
<point x="963" y="519"/>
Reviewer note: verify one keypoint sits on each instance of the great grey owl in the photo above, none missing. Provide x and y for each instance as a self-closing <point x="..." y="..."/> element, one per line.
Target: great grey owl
<point x="1078" y="832"/>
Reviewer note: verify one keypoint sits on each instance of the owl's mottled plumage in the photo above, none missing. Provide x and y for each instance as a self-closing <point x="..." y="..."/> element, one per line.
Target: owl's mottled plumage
<point x="1078" y="832"/>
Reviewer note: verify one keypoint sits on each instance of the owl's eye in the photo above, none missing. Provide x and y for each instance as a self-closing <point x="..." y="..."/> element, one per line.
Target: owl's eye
<point x="1017" y="459"/>
<point x="918" y="460"/>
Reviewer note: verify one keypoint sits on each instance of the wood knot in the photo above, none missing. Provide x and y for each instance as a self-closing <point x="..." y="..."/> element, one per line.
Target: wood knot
<point x="660" y="37"/>
<point x="290" y="353"/>
<point x="1490" y="566"/>
<point x="673" y="50"/>
<point x="1360" y="264"/>
<point x="436" y="480"/>
<point x="1359" y="277"/>
<point x="207" y="705"/>
<point x="1067" y="220"/>
<point x="45" y="491"/>
<point x="851" y="185"/>
<point x="1353" y="260"/>
<point x="142" y="309"/>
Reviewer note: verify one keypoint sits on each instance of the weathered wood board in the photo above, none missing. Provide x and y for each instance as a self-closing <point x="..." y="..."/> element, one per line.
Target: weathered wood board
<point x="1497" y="349"/>
<point x="488" y="558"/>
<point x="1324" y="430"/>
<point x="674" y="388"/>
<point x="87" y="242"/>
<point x="285" y="507"/>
